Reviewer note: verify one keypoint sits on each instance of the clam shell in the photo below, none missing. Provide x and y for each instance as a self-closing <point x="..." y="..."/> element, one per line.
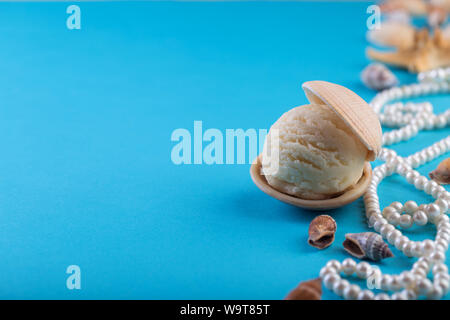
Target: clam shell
<point x="321" y="231"/>
<point x="442" y="173"/>
<point x="352" y="109"/>
<point x="367" y="245"/>
<point x="308" y="290"/>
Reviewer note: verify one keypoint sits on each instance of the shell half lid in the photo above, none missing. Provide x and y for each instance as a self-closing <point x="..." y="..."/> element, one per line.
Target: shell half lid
<point x="351" y="108"/>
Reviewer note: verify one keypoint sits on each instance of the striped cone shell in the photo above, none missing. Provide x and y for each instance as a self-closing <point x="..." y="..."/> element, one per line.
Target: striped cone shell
<point x="367" y="245"/>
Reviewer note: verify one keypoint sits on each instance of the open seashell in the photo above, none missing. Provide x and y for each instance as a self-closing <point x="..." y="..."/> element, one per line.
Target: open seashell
<point x="367" y="245"/>
<point x="321" y="231"/>
<point x="308" y="290"/>
<point x="378" y="77"/>
<point x="442" y="173"/>
<point x="351" y="108"/>
<point x="393" y="34"/>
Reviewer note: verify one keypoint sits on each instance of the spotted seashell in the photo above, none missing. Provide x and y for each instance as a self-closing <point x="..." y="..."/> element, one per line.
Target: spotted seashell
<point x="367" y="245"/>
<point x="308" y="290"/>
<point x="378" y="77"/>
<point x="321" y="231"/>
<point x="442" y="173"/>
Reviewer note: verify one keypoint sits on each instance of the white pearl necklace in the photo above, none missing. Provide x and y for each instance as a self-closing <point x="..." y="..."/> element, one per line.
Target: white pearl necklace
<point x="409" y="119"/>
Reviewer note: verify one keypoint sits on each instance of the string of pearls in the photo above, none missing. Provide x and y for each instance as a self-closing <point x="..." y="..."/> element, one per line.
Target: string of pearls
<point x="407" y="119"/>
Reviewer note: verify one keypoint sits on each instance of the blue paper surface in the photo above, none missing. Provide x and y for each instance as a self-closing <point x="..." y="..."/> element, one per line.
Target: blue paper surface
<point x="86" y="176"/>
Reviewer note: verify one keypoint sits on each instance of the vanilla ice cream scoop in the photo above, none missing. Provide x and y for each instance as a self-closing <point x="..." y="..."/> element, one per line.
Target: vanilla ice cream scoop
<point x="318" y="151"/>
<point x="319" y="156"/>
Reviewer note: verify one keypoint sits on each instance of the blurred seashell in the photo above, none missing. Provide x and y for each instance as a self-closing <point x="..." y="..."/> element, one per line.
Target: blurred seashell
<point x="367" y="245"/>
<point x="393" y="34"/>
<point x="445" y="4"/>
<point x="378" y="77"/>
<point x="399" y="16"/>
<point x="308" y="290"/>
<point x="415" y="7"/>
<point x="321" y="231"/>
<point x="446" y="33"/>
<point x="442" y="173"/>
<point x="436" y="16"/>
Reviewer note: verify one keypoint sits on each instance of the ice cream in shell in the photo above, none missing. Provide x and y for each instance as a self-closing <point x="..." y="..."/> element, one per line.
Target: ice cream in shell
<point x="321" y="150"/>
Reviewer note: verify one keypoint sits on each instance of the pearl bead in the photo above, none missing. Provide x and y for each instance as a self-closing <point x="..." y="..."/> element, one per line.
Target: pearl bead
<point x="416" y="250"/>
<point x="442" y="276"/>
<point x="352" y="292"/>
<point x="398" y="296"/>
<point x="395" y="284"/>
<point x="348" y="266"/>
<point x="442" y="204"/>
<point x="385" y="229"/>
<point x="437" y="256"/>
<point x="388" y="211"/>
<point x="427" y="246"/>
<point x="406" y="221"/>
<point x="434" y="293"/>
<point x="330" y="280"/>
<point x="366" y="295"/>
<point x="443" y="243"/>
<point x="407" y="279"/>
<point x="420" y="218"/>
<point x="410" y="294"/>
<point x="393" y="235"/>
<point x="393" y="218"/>
<point x="325" y="271"/>
<point x="363" y="269"/>
<point x="440" y="267"/>
<point x="379" y="223"/>
<point x="400" y="242"/>
<point x="407" y="249"/>
<point x="334" y="264"/>
<point x="432" y="211"/>
<point x="419" y="182"/>
<point x="411" y="176"/>
<point x="385" y="282"/>
<point x="410" y="207"/>
<point x="382" y="296"/>
<point x="424" y="286"/>
<point x="443" y="284"/>
<point x="397" y="206"/>
<point x="340" y="286"/>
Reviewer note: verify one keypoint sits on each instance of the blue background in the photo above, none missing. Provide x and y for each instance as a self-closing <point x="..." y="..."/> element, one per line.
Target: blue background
<point x="85" y="123"/>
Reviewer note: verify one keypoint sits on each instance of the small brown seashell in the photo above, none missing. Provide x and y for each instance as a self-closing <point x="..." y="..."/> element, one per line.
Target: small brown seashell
<point x="367" y="245"/>
<point x="308" y="290"/>
<point x="378" y="77"/>
<point x="442" y="173"/>
<point x="321" y="231"/>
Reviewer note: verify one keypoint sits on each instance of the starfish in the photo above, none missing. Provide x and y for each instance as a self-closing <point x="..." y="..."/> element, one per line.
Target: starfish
<point x="428" y="52"/>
